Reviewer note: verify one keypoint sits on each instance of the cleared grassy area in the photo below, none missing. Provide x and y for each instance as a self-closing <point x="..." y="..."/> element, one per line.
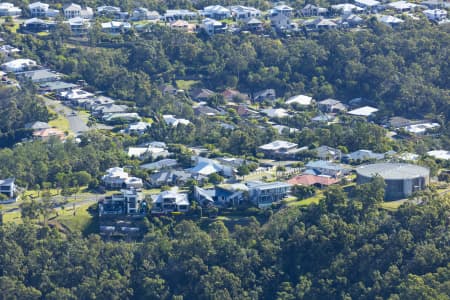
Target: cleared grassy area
<point x="12" y="217"/>
<point x="186" y="84"/>
<point x="393" y="205"/>
<point x="80" y="222"/>
<point x="60" y="122"/>
<point x="293" y="202"/>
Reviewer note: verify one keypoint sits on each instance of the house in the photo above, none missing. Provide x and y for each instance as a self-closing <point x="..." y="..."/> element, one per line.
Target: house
<point x="331" y="105"/>
<point x="78" y="26"/>
<point x="47" y="133"/>
<point x="281" y="129"/>
<point x="322" y="167"/>
<point x="351" y="21"/>
<point x="216" y="12"/>
<point x="433" y="4"/>
<point x="9" y="10"/>
<point x="102" y="110"/>
<point x="8" y="188"/>
<point x="390" y="20"/>
<point x="254" y="25"/>
<point x="37" y="25"/>
<point x="168" y="89"/>
<point x="152" y="150"/>
<point x="166" y="163"/>
<point x="244" y="13"/>
<point x="205" y="110"/>
<point x="435" y="15"/>
<point x="172" y="15"/>
<point x="231" y="95"/>
<point x="127" y="202"/>
<point x="7" y="50"/>
<point x="73" y="96"/>
<point x="72" y="10"/>
<point x="402" y="6"/>
<point x="42" y="10"/>
<point x="363" y="155"/>
<point x="38" y="76"/>
<point x="397" y="122"/>
<point x="324" y="118"/>
<point x="37" y="125"/>
<point x="205" y="167"/>
<point x="56" y="87"/>
<point x="201" y="94"/>
<point x="280" y="149"/>
<point x="212" y="26"/>
<point x="319" y="24"/>
<point x="421" y="128"/>
<point x="115" y="27"/>
<point x="328" y="153"/>
<point x="280" y="17"/>
<point x="346" y="8"/>
<point x="174" y="122"/>
<point x="365" y="111"/>
<point x="224" y="195"/>
<point x="265" y="194"/>
<point x="111" y="12"/>
<point x="183" y="26"/>
<point x="118" y="178"/>
<point x="141" y="13"/>
<point x="439" y="154"/>
<point x="169" y="202"/>
<point x="311" y="10"/>
<point x="19" y="65"/>
<point x="138" y="128"/>
<point x="169" y="178"/>
<point x="313" y="180"/>
<point x="301" y="100"/>
<point x="275" y="112"/>
<point x="368" y="5"/>
<point x="265" y="95"/>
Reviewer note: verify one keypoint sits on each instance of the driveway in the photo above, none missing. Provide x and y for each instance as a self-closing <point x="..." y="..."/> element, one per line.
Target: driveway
<point x="76" y="122"/>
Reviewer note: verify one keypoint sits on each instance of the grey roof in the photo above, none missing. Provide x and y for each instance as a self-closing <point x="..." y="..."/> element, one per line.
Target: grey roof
<point x="267" y="185"/>
<point x="396" y="171"/>
<point x="322" y="164"/>
<point x="58" y="85"/>
<point x="39" y="75"/>
<point x="37" y="125"/>
<point x="329" y="102"/>
<point x="7" y="181"/>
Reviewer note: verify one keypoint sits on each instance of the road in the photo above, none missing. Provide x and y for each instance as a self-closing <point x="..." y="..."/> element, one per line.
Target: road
<point x="76" y="122"/>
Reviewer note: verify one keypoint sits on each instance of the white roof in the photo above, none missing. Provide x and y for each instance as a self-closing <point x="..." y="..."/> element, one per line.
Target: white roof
<point x="368" y="3"/>
<point x="139" y="126"/>
<point x="172" y="120"/>
<point x="38" y="4"/>
<point x="277" y="145"/>
<point x="389" y="19"/>
<point x="401" y="5"/>
<point x="300" y="99"/>
<point x="421" y="128"/>
<point x="283" y="7"/>
<point x="115" y="24"/>
<point x="217" y="9"/>
<point x="346" y="7"/>
<point x="364" y="111"/>
<point x="72" y="6"/>
<point x="116" y="172"/>
<point x="440" y="154"/>
<point x="208" y="21"/>
<point x="275" y="112"/>
<point x="19" y="63"/>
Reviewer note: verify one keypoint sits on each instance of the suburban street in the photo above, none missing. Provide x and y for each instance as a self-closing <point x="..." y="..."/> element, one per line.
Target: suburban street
<point x="76" y="122"/>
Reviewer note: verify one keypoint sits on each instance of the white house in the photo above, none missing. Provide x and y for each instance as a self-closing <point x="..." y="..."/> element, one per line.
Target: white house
<point x="346" y="8"/>
<point x="42" y="10"/>
<point x="264" y="194"/>
<point x="212" y="26"/>
<point x="170" y="201"/>
<point x="78" y="26"/>
<point x="244" y="13"/>
<point x="125" y="202"/>
<point x="390" y="20"/>
<point x="179" y="14"/>
<point x="275" y="112"/>
<point x="118" y="178"/>
<point x="141" y="13"/>
<point x="435" y="14"/>
<point x="280" y="17"/>
<point x="19" y="65"/>
<point x="364" y="111"/>
<point x="173" y="121"/>
<point x="73" y="10"/>
<point x="216" y="12"/>
<point x="402" y="6"/>
<point x="440" y="154"/>
<point x="300" y="100"/>
<point x="8" y="9"/>
<point x="115" y="27"/>
<point x="421" y="128"/>
<point x="369" y="5"/>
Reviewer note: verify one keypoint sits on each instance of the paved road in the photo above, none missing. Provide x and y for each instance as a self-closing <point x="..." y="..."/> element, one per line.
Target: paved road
<point x="76" y="123"/>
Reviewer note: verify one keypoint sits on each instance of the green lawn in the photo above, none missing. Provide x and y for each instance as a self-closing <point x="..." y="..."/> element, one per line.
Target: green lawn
<point x="186" y="84"/>
<point x="393" y="205"/>
<point x="305" y="202"/>
<point x="60" y="122"/>
<point x="82" y="221"/>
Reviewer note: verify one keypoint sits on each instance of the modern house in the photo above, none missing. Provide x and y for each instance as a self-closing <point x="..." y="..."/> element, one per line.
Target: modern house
<point x="169" y="178"/>
<point x="141" y="13"/>
<point x="435" y="15"/>
<point x="172" y="15"/>
<point x="224" y="195"/>
<point x="38" y="76"/>
<point x="73" y="10"/>
<point x="48" y="133"/>
<point x="118" y="178"/>
<point x="280" y="17"/>
<point x="162" y="164"/>
<point x="205" y="167"/>
<point x="35" y="25"/>
<point x="322" y="167"/>
<point x="211" y="26"/>
<point x="127" y="202"/>
<point x="42" y="10"/>
<point x="137" y="128"/>
<point x="170" y="202"/>
<point x="244" y="13"/>
<point x="9" y="10"/>
<point x="148" y="151"/>
<point x="174" y="122"/>
<point x="275" y="113"/>
<point x="311" y="10"/>
<point x="365" y="111"/>
<point x="313" y="180"/>
<point x="112" y="12"/>
<point x="301" y="100"/>
<point x="363" y="155"/>
<point x="346" y="9"/>
<point x="56" y="86"/>
<point x="115" y="27"/>
<point x="254" y="25"/>
<point x="78" y="26"/>
<point x="368" y="5"/>
<point x="328" y="153"/>
<point x="402" y="6"/>
<point x="280" y="149"/>
<point x="265" y="95"/>
<point x="319" y="24"/>
<point x="264" y="194"/>
<point x="390" y="20"/>
<point x="331" y="106"/>
<point x="8" y="188"/>
<point x="216" y="12"/>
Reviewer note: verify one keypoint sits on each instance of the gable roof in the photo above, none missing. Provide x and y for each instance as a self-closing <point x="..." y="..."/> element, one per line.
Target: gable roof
<point x="307" y="180"/>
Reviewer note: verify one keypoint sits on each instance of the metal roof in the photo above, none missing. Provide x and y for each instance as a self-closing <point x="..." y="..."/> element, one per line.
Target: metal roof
<point x="393" y="171"/>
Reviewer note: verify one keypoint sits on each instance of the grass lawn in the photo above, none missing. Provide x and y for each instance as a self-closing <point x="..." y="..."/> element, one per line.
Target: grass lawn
<point x="393" y="205"/>
<point x="186" y="84"/>
<point x="60" y="122"/>
<point x="82" y="221"/>
<point x="293" y="202"/>
<point x="13" y="217"/>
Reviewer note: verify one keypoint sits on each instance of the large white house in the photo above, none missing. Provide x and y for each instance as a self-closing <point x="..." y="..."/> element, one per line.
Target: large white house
<point x="435" y="14"/>
<point x="170" y="201"/>
<point x="280" y="17"/>
<point x="8" y="188"/>
<point x="19" y="65"/>
<point x="73" y="10"/>
<point x="216" y="12"/>
<point x="42" y="10"/>
<point x="8" y="9"/>
<point x="118" y="178"/>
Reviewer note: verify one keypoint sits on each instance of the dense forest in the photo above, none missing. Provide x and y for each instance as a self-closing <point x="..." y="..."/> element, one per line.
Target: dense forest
<point x="338" y="249"/>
